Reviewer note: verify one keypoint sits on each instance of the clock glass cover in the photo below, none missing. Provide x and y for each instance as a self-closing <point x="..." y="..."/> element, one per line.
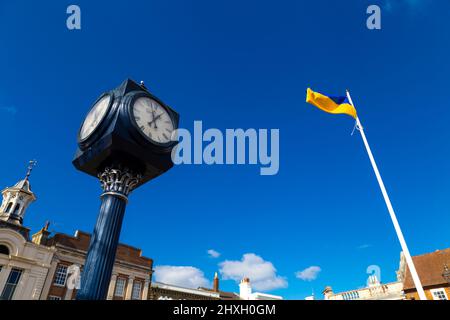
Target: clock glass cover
<point x="94" y="117"/>
<point x="153" y="120"/>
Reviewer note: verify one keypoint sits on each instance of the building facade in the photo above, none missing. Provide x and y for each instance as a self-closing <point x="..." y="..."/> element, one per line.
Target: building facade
<point x="24" y="266"/>
<point x="46" y="266"/>
<point x="162" y="291"/>
<point x="130" y="279"/>
<point x="374" y="291"/>
<point x="434" y="274"/>
<point x="432" y="268"/>
<point x="246" y="292"/>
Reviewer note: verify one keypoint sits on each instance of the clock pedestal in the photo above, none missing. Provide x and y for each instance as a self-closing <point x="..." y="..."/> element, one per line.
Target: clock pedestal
<point x="117" y="183"/>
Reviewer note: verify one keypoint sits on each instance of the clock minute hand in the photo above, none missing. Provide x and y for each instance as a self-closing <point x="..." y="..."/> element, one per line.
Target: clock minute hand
<point x="154" y="120"/>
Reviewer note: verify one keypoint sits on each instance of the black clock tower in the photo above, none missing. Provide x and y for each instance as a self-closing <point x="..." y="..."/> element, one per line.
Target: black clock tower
<point x="125" y="141"/>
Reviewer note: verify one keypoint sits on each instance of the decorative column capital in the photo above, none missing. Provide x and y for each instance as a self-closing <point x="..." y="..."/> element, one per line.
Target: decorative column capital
<point x="118" y="181"/>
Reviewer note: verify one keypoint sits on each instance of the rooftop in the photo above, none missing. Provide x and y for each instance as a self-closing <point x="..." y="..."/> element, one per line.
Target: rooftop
<point x="430" y="267"/>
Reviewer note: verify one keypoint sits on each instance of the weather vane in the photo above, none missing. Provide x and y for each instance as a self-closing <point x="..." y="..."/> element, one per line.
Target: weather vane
<point x="31" y="165"/>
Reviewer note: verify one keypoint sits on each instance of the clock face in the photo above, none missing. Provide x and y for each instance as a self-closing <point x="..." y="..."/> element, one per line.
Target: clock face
<point x="94" y="117"/>
<point x="153" y="120"/>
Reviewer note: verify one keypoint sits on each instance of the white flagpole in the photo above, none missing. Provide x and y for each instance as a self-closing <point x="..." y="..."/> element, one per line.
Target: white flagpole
<point x="405" y="250"/>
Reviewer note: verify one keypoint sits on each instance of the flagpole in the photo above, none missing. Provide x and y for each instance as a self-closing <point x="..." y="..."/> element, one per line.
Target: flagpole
<point x="399" y="232"/>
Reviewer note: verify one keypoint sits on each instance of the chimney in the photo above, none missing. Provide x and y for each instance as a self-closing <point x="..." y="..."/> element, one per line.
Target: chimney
<point x="216" y="283"/>
<point x="245" y="289"/>
<point x="327" y="292"/>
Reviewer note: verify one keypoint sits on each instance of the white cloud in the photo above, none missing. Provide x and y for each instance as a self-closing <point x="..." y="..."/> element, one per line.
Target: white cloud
<point x="183" y="276"/>
<point x="8" y="109"/>
<point x="262" y="273"/>
<point x="308" y="274"/>
<point x="213" y="253"/>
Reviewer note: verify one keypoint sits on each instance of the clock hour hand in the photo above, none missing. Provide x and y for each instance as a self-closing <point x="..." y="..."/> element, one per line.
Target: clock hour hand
<point x="154" y="120"/>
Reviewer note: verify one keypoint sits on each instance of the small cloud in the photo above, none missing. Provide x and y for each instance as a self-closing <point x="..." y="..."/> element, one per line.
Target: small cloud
<point x="364" y="246"/>
<point x="263" y="275"/>
<point x="308" y="274"/>
<point x="9" y="109"/>
<point x="213" y="253"/>
<point x="183" y="276"/>
<point x="391" y="5"/>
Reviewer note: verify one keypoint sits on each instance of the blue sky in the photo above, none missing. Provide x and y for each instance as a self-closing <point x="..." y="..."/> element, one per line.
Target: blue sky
<point x="235" y="64"/>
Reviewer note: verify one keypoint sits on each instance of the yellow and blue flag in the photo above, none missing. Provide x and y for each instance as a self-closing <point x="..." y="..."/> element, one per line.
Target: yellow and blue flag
<point x="330" y="104"/>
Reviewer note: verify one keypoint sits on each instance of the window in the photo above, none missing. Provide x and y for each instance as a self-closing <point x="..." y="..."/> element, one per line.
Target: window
<point x="16" y="209"/>
<point x="8" y="208"/>
<point x="120" y="287"/>
<point x="11" y="284"/>
<point x="136" y="293"/>
<point x="439" y="294"/>
<point x="4" y="249"/>
<point x="54" y="298"/>
<point x="351" y="295"/>
<point x="60" y="276"/>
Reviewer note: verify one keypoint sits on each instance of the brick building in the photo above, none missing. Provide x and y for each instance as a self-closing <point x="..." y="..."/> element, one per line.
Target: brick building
<point x="131" y="275"/>
<point x="433" y="273"/>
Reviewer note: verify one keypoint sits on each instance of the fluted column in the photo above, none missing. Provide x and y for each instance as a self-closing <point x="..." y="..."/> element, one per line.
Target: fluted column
<point x="117" y="183"/>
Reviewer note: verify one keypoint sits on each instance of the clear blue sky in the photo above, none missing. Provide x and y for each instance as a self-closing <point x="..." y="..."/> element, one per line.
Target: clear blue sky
<point x="244" y="64"/>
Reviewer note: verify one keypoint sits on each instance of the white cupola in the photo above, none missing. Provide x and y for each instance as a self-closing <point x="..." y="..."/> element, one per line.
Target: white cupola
<point x="16" y="199"/>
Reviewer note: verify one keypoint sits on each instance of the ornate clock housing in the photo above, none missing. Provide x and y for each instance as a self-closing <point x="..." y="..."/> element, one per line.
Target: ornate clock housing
<point x="127" y="126"/>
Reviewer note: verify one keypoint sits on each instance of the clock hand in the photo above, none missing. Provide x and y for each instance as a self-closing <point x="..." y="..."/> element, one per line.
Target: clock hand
<point x="154" y="120"/>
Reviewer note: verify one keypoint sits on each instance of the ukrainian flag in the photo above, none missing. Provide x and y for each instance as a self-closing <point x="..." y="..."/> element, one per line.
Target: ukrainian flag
<point x="330" y="104"/>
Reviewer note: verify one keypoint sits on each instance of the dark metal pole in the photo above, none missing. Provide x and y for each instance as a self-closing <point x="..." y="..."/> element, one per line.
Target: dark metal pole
<point x="117" y="183"/>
